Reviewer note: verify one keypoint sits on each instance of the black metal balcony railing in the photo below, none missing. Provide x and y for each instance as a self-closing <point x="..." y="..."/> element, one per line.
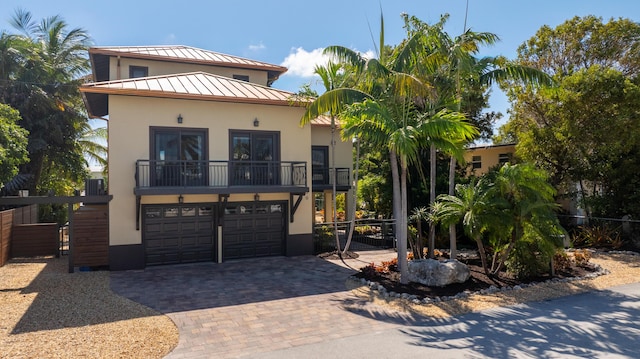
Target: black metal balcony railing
<point x="325" y="176"/>
<point x="220" y="174"/>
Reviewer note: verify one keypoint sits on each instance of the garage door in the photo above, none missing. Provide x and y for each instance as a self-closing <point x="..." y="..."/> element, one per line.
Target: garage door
<point x="253" y="229"/>
<point x="178" y="233"/>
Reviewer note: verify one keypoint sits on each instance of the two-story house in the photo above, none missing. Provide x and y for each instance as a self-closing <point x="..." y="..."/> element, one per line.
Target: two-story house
<point x="207" y="162"/>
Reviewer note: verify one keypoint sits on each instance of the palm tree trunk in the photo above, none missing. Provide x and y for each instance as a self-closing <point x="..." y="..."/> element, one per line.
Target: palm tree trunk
<point x="483" y="255"/>
<point x="453" y="250"/>
<point x="432" y="199"/>
<point x="354" y="201"/>
<point x="333" y="191"/>
<point x="401" y="238"/>
<point x="402" y="250"/>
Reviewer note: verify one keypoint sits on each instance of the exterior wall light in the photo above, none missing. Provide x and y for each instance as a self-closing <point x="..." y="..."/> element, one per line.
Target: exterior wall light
<point x="179" y="118"/>
<point x="180" y="199"/>
<point x="256" y="197"/>
<point x="256" y="123"/>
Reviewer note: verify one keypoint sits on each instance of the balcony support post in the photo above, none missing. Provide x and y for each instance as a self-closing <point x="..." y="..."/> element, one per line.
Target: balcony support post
<point x="294" y="207"/>
<point x="138" y="210"/>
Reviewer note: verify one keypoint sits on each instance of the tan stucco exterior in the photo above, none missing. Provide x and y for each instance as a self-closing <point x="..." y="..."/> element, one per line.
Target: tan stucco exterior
<point x="158" y="68"/>
<point x="130" y="119"/>
<point x="489" y="157"/>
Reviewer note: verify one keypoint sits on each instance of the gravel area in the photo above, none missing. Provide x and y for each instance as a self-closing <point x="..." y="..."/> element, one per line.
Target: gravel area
<point x="47" y="312"/>
<point x="620" y="268"/>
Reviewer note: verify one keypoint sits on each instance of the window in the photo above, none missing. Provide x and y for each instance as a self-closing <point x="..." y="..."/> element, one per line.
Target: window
<point x="138" y="71"/>
<point x="476" y="162"/>
<point x="320" y="164"/>
<point x="179" y="156"/>
<point x="252" y="156"/>
<point x="504" y="158"/>
<point x="241" y="77"/>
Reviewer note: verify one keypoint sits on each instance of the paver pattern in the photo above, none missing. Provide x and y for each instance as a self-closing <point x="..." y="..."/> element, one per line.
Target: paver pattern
<point x="253" y="306"/>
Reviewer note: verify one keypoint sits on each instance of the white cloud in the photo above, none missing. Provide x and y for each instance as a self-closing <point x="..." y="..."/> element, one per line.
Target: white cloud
<point x="258" y="47"/>
<point x="302" y="63"/>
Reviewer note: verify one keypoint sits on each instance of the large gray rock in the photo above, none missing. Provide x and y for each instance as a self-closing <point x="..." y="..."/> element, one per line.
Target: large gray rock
<point x="436" y="273"/>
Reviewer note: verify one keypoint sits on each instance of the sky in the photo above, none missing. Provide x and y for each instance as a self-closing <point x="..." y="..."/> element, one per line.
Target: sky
<point x="294" y="33"/>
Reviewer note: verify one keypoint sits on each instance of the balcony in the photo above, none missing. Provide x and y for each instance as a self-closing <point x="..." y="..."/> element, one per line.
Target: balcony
<point x="220" y="177"/>
<point x="324" y="177"/>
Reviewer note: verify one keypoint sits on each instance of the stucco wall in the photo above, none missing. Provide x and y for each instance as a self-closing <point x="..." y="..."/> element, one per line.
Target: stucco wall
<point x="129" y="121"/>
<point x="321" y="136"/>
<point x="157" y="68"/>
<point x="490" y="156"/>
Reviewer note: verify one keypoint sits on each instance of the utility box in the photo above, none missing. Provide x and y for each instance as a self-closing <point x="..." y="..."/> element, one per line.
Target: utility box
<point x="94" y="187"/>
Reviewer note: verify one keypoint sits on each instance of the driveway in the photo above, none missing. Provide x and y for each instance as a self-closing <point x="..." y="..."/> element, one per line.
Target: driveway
<point x="298" y="307"/>
<point x="247" y="307"/>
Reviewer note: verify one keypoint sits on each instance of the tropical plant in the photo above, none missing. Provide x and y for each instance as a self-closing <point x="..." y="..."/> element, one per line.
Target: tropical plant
<point x="462" y="82"/>
<point x="13" y="143"/>
<point x="41" y="70"/>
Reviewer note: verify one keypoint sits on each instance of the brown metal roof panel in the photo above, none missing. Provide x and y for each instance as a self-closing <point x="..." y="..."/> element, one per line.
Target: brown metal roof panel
<point x="177" y="85"/>
<point x="221" y="86"/>
<point x="197" y="80"/>
<point x="165" y="84"/>
<point x="153" y="84"/>
<point x="188" y="84"/>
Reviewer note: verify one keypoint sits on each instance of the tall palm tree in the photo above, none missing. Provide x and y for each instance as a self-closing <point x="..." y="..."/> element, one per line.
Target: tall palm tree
<point x="44" y="88"/>
<point x="331" y="79"/>
<point x="455" y="69"/>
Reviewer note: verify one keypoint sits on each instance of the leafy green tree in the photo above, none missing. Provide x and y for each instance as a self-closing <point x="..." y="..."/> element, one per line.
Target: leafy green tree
<point x="13" y="143"/>
<point x="40" y="78"/>
<point x="529" y="219"/>
<point x="462" y="81"/>
<point x="580" y="132"/>
<point x="512" y="213"/>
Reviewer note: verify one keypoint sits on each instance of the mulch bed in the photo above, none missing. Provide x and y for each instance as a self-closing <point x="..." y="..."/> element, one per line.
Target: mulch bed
<point x="478" y="281"/>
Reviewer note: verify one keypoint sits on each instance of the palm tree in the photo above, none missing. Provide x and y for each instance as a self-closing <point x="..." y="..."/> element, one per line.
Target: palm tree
<point x="455" y="69"/>
<point x="478" y="211"/>
<point x="382" y="111"/>
<point x="332" y="78"/>
<point x="529" y="211"/>
<point x="51" y="58"/>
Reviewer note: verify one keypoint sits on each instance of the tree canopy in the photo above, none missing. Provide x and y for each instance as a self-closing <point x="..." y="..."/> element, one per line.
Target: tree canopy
<point x="42" y="67"/>
<point x="584" y="130"/>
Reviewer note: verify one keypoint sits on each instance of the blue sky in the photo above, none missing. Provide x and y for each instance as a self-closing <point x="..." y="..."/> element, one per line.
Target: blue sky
<point x="293" y="33"/>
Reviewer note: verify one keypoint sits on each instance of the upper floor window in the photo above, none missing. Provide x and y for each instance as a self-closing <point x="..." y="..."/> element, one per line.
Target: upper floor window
<point x="504" y="158"/>
<point x="138" y="71"/>
<point x="241" y="77"/>
<point x="476" y="162"/>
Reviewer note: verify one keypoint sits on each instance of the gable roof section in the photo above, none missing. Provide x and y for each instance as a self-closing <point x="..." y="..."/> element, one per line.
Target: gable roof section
<point x="178" y="53"/>
<point x="325" y="121"/>
<point x="192" y="86"/>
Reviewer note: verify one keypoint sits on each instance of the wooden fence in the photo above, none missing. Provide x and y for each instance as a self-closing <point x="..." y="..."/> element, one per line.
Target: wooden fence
<point x="37" y="239"/>
<point x="9" y="218"/>
<point x="91" y="236"/>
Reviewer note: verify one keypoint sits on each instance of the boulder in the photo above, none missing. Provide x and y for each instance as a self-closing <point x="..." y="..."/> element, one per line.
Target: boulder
<point x="431" y="272"/>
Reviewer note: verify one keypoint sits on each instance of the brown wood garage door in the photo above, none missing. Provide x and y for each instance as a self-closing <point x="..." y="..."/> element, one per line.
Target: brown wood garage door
<point x="178" y="233"/>
<point x="253" y="229"/>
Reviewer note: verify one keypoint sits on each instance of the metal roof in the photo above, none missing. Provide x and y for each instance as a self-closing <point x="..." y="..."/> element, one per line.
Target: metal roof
<point x="324" y="120"/>
<point x="181" y="53"/>
<point x="193" y="85"/>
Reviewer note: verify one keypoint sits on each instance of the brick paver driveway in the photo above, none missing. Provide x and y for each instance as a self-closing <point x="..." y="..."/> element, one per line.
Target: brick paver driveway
<point x="254" y="306"/>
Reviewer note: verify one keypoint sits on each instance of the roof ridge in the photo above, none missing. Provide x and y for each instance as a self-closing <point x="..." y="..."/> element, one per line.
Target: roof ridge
<point x="133" y="79"/>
